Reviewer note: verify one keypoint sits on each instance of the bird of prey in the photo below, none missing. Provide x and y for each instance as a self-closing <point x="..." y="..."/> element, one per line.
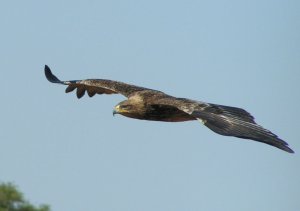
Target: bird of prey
<point x="149" y="104"/>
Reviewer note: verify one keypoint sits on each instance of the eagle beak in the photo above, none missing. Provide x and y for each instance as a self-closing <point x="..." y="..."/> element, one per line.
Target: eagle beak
<point x="116" y="110"/>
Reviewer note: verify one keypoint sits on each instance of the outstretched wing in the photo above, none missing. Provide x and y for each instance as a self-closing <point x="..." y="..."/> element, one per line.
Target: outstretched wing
<point x="94" y="86"/>
<point x="228" y="121"/>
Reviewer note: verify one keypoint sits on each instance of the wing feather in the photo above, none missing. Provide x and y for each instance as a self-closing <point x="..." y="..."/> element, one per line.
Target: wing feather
<point x="94" y="86"/>
<point x="227" y="121"/>
<point x="231" y="121"/>
<point x="70" y="88"/>
<point x="80" y="92"/>
<point x="91" y="92"/>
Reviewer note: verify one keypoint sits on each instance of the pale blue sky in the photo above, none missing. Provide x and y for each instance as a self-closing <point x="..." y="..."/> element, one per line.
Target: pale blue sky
<point x="74" y="155"/>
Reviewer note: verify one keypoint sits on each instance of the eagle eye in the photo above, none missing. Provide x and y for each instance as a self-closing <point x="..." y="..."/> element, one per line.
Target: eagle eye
<point x="125" y="106"/>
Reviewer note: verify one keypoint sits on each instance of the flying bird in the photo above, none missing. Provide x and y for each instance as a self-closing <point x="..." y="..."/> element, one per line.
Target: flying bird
<point x="149" y="104"/>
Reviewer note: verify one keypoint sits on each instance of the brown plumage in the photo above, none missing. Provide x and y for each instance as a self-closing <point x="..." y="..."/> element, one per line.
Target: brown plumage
<point x="149" y="104"/>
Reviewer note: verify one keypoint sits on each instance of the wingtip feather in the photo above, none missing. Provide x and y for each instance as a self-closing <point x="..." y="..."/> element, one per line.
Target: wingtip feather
<point x="49" y="75"/>
<point x="287" y="149"/>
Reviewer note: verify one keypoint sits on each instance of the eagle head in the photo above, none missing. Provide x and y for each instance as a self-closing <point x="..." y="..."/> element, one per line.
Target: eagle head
<point x="130" y="108"/>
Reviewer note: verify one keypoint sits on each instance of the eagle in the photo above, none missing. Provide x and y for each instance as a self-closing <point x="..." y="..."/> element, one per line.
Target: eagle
<point x="148" y="104"/>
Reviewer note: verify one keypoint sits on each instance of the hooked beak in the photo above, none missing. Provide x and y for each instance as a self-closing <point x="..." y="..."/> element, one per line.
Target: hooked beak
<point x="114" y="112"/>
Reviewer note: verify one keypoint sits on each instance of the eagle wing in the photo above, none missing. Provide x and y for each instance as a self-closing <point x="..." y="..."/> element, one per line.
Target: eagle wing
<point x="227" y="121"/>
<point x="95" y="86"/>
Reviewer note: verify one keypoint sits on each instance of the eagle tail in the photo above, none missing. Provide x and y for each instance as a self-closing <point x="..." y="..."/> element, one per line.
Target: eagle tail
<point x="231" y="121"/>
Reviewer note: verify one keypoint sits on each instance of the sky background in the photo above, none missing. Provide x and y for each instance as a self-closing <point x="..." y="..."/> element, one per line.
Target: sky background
<point x="74" y="155"/>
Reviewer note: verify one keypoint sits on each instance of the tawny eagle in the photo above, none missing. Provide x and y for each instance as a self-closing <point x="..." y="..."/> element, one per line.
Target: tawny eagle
<point x="149" y="104"/>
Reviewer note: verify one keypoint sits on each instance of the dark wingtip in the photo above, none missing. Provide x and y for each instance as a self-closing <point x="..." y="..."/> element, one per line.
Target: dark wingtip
<point x="287" y="149"/>
<point x="281" y="144"/>
<point x="50" y="77"/>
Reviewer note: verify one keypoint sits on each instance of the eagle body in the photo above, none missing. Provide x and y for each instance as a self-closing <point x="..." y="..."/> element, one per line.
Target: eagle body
<point x="166" y="114"/>
<point x="148" y="104"/>
<point x="145" y="105"/>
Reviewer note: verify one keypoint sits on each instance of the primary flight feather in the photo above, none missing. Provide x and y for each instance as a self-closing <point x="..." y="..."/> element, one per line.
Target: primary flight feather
<point x="149" y="104"/>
